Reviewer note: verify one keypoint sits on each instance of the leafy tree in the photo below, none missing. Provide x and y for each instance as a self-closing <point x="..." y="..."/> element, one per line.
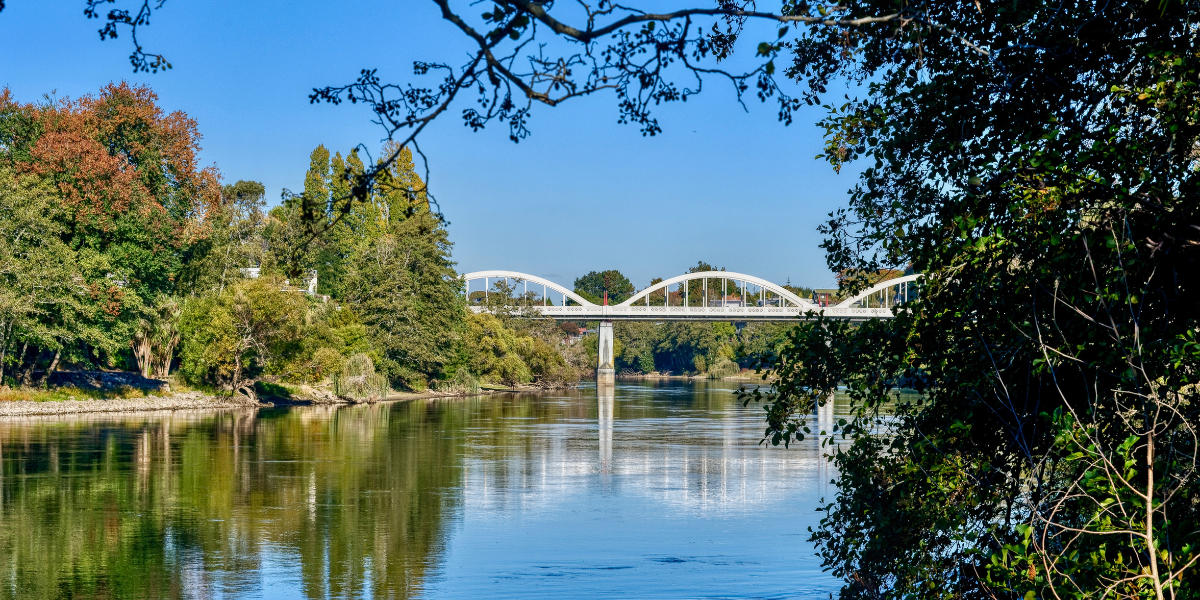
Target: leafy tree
<point x="327" y="179"/>
<point x="501" y="355"/>
<point x="799" y="290"/>
<point x="403" y="286"/>
<point x="388" y="259"/>
<point x="1038" y="162"/>
<point x="673" y="346"/>
<point x="130" y="202"/>
<point x="695" y="287"/>
<point x="39" y="278"/>
<point x="332" y="334"/>
<point x="758" y="339"/>
<point x="492" y="349"/>
<point x="657" y="298"/>
<point x="292" y="250"/>
<point x="233" y="241"/>
<point x="638" y="341"/>
<point x="251" y="329"/>
<point x="1049" y="191"/>
<point x="595" y="284"/>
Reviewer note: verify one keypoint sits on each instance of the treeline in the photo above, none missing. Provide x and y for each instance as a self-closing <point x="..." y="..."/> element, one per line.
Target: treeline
<point x="614" y="285"/>
<point x="118" y="251"/>
<point x="716" y="349"/>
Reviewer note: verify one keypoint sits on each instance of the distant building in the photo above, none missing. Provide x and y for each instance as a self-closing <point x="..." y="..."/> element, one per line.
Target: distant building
<point x="309" y="285"/>
<point x="728" y="301"/>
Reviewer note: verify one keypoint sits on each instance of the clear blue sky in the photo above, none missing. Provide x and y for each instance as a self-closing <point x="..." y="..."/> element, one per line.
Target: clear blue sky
<point x="732" y="188"/>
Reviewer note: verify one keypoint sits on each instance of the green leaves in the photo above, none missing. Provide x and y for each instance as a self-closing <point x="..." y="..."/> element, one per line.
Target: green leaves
<point x="1054" y="342"/>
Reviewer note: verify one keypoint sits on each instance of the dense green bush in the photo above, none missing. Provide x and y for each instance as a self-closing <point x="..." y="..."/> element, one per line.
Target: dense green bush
<point x="499" y="354"/>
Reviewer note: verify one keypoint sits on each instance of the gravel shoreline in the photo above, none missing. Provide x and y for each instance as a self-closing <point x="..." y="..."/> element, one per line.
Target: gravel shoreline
<point x="180" y="401"/>
<point x="202" y="401"/>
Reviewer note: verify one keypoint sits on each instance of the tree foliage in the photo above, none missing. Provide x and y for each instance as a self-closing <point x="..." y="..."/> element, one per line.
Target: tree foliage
<point x="1037" y="161"/>
<point x="1048" y="189"/>
<point x="128" y="201"/>
<point x="40" y="294"/>
<point x="402" y="283"/>
<point x="596" y="284"/>
<point x="251" y="329"/>
<point x="234" y="241"/>
<point x="681" y="347"/>
<point x="500" y="354"/>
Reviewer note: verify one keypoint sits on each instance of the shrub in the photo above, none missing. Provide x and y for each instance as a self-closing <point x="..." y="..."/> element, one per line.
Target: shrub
<point x="724" y="368"/>
<point x="645" y="362"/>
<point x="358" y="380"/>
<point x="462" y="381"/>
<point x="233" y="338"/>
<point x="325" y="363"/>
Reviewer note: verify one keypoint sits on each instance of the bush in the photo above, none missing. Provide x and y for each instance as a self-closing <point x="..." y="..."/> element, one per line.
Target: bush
<point x="249" y="329"/>
<point x="724" y="368"/>
<point x="272" y="390"/>
<point x="358" y="380"/>
<point x="325" y="364"/>
<point x="462" y="381"/>
<point x="500" y="355"/>
<point x="645" y="362"/>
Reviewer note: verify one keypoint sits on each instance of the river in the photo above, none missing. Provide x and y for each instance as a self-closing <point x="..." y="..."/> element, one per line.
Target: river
<point x="645" y="490"/>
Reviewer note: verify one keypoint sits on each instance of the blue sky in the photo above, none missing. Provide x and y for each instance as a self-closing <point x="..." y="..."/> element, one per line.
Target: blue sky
<point x="736" y="189"/>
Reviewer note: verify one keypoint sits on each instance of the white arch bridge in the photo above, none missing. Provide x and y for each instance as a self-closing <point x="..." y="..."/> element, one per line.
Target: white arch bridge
<point x="704" y="296"/>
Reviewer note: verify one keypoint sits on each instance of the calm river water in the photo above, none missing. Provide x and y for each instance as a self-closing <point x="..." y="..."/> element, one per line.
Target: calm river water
<point x="645" y="491"/>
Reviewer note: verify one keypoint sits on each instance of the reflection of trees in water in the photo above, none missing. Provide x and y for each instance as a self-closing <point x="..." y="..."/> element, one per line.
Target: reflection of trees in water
<point x="350" y="500"/>
<point x="357" y="499"/>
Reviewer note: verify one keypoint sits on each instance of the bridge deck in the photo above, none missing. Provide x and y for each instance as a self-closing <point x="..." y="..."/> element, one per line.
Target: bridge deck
<point x="703" y="313"/>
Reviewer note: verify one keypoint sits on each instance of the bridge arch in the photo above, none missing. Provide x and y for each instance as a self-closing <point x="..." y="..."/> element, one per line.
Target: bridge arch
<point x="750" y="279"/>
<point x="550" y="285"/>
<point x="879" y="287"/>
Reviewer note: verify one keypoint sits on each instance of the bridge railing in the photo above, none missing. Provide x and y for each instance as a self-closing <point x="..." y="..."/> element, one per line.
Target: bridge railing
<point x="757" y="299"/>
<point x="701" y="313"/>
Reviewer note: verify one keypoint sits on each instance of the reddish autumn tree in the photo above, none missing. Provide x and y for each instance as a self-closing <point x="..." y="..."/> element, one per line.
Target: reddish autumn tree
<point x="133" y="198"/>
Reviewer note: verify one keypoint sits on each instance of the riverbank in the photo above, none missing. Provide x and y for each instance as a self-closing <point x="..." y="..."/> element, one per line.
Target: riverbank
<point x="178" y="401"/>
<point x="202" y="401"/>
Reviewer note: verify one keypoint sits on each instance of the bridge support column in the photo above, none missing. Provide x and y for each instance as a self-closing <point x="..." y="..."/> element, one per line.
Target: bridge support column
<point x="606" y="369"/>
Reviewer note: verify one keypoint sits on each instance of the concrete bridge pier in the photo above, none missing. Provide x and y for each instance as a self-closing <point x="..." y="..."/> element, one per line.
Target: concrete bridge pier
<point x="606" y="372"/>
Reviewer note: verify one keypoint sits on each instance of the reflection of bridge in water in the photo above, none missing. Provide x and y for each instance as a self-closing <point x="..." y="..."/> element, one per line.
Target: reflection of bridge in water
<point x="621" y="444"/>
<point x="719" y="296"/>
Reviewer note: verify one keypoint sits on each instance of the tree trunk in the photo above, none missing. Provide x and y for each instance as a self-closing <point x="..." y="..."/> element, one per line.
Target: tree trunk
<point x="142" y="353"/>
<point x="1151" y="546"/>
<point x="162" y="364"/>
<point x="248" y="391"/>
<point x="53" y="367"/>
<point x="27" y="375"/>
<point x="237" y="373"/>
<point x="4" y="350"/>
